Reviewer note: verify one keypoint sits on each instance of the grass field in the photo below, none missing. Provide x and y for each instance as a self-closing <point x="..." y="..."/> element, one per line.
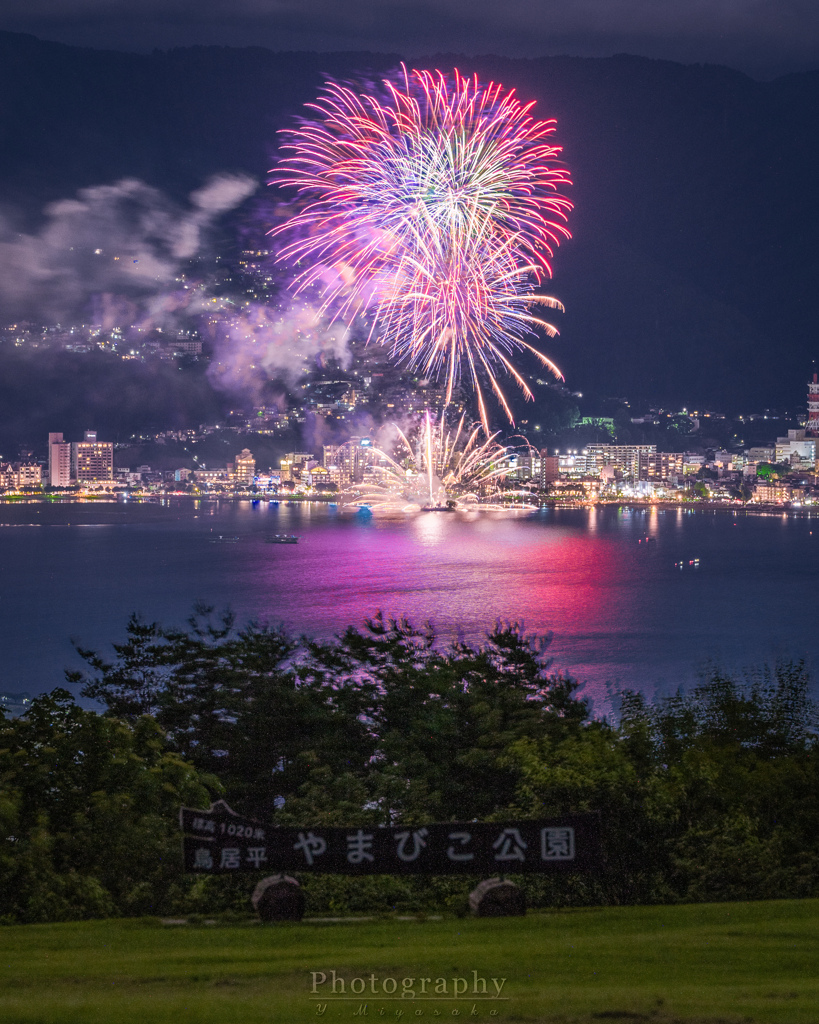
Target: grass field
<point x="704" y="963"/>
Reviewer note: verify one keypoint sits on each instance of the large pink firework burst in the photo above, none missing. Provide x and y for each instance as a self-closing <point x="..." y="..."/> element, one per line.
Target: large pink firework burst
<point x="433" y="210"/>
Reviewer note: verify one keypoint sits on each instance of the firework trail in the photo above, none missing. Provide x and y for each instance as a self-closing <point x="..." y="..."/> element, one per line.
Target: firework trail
<point x="433" y="465"/>
<point x="433" y="209"/>
<point x="458" y="458"/>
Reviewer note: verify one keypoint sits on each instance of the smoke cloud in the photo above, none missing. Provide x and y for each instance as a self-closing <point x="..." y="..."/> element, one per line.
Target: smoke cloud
<point x="119" y="255"/>
<point x="110" y="250"/>
<point x="261" y="342"/>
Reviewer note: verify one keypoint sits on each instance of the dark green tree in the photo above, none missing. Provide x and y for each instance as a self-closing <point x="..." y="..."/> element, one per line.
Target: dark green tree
<point x="412" y="726"/>
<point x="234" y="704"/>
<point x="89" y="813"/>
<point x="734" y="772"/>
<point x="443" y="716"/>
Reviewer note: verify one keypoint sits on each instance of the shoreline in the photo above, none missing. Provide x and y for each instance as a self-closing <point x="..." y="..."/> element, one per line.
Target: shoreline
<point x="153" y="498"/>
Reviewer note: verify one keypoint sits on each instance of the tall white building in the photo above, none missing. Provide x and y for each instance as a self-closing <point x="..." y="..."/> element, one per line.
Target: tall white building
<point x="59" y="461"/>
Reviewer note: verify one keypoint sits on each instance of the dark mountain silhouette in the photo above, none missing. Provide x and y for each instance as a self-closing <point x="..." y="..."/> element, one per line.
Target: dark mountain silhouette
<point x="691" y="274"/>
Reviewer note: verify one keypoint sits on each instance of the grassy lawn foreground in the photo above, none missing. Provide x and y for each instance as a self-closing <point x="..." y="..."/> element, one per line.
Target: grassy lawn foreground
<point x="714" y="962"/>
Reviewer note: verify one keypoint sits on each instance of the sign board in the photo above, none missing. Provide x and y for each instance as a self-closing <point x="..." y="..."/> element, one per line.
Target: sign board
<point x="220" y="842"/>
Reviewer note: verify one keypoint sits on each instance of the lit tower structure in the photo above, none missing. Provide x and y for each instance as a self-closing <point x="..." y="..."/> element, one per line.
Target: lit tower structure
<point x="812" y="425"/>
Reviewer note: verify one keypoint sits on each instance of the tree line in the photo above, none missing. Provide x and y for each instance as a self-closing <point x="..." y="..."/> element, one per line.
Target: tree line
<point x="706" y="795"/>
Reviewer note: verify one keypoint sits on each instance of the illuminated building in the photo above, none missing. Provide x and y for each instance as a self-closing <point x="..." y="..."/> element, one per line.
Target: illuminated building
<point x="626" y="457"/>
<point x="352" y="459"/>
<point x="661" y="466"/>
<point x="59" y="461"/>
<point x="329" y="453"/>
<point x="317" y="477"/>
<point x="573" y="465"/>
<point x="210" y="476"/>
<point x="345" y="460"/>
<point x="367" y="455"/>
<point x="292" y="463"/>
<point x="772" y="493"/>
<point x="519" y="466"/>
<point x="92" y="460"/>
<point x="245" y="467"/>
<point x="267" y="481"/>
<point x="27" y="475"/>
<point x="796" y="448"/>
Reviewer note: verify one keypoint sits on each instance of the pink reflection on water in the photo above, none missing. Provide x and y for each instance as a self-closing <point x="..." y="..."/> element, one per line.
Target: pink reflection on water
<point x="461" y="572"/>
<point x="607" y="582"/>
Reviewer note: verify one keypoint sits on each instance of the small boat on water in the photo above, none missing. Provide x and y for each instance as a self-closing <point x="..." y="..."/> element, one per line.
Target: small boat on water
<point x="437" y="508"/>
<point x="282" y="538"/>
<point x="224" y="539"/>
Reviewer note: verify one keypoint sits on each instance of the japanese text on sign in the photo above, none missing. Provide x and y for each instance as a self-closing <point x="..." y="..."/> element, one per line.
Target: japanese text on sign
<point x="224" y="844"/>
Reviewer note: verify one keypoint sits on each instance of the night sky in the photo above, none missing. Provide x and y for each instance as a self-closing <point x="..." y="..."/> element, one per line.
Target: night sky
<point x="692" y="267"/>
<point x="764" y="38"/>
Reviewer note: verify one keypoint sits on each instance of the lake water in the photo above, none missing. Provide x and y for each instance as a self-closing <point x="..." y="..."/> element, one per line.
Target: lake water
<point x="607" y="582"/>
